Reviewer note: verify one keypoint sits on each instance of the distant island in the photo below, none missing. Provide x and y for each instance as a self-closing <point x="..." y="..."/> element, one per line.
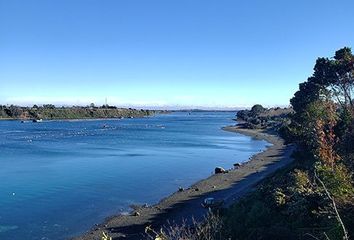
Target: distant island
<point x="49" y="111"/>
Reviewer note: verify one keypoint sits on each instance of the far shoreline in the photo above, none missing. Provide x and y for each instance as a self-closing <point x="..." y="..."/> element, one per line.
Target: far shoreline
<point x="183" y="205"/>
<point x="77" y="119"/>
<point x="51" y="112"/>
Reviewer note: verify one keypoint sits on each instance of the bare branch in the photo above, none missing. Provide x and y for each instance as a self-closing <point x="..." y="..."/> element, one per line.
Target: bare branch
<point x="345" y="237"/>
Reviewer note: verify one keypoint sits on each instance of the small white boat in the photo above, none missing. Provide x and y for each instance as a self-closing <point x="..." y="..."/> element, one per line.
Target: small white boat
<point x="37" y="120"/>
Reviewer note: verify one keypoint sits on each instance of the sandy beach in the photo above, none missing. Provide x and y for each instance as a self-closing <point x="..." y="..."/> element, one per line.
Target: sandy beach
<point x="185" y="205"/>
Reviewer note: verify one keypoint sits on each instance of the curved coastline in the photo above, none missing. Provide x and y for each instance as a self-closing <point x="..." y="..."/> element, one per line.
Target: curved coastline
<point x="184" y="205"/>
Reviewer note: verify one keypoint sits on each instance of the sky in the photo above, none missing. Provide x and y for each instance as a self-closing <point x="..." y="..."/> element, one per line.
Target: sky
<point x="165" y="53"/>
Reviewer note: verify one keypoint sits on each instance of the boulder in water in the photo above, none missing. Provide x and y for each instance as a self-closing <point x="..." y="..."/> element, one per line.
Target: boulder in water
<point x="237" y="165"/>
<point x="219" y="170"/>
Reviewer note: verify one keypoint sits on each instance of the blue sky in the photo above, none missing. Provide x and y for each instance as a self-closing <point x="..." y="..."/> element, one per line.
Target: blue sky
<point x="181" y="53"/>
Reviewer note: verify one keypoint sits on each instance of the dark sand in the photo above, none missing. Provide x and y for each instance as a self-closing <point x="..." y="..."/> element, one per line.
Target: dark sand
<point x="182" y="206"/>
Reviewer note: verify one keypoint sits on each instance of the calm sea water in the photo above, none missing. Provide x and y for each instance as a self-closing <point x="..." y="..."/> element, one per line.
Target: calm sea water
<point x="58" y="178"/>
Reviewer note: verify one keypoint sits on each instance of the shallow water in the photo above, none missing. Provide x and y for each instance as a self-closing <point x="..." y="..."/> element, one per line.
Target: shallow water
<point x="58" y="178"/>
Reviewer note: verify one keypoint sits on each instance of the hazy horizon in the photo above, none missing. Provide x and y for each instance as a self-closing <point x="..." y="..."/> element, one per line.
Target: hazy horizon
<point x="151" y="107"/>
<point x="137" y="106"/>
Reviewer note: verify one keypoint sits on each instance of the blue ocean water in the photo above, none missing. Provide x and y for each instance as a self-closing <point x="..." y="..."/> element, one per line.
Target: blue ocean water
<point x="59" y="178"/>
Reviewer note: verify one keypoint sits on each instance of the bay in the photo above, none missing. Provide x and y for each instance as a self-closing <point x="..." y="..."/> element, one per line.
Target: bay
<point x="59" y="178"/>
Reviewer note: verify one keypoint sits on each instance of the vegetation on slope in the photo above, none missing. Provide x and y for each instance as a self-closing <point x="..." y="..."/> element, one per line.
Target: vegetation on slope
<point x="314" y="198"/>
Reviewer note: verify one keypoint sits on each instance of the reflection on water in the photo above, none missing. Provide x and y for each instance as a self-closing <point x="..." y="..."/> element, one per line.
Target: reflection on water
<point x="58" y="178"/>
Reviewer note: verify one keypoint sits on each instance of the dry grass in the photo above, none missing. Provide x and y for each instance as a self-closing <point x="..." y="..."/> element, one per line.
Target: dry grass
<point x="209" y="229"/>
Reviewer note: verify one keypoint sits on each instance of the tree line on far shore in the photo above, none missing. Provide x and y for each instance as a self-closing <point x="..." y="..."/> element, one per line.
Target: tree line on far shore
<point x="49" y="111"/>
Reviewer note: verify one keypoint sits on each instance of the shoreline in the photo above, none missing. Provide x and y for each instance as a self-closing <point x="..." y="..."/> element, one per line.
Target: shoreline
<point x="8" y="119"/>
<point x="182" y="206"/>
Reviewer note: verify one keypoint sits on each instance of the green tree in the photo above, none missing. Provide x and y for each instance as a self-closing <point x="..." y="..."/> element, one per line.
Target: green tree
<point x="257" y="109"/>
<point x="337" y="75"/>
